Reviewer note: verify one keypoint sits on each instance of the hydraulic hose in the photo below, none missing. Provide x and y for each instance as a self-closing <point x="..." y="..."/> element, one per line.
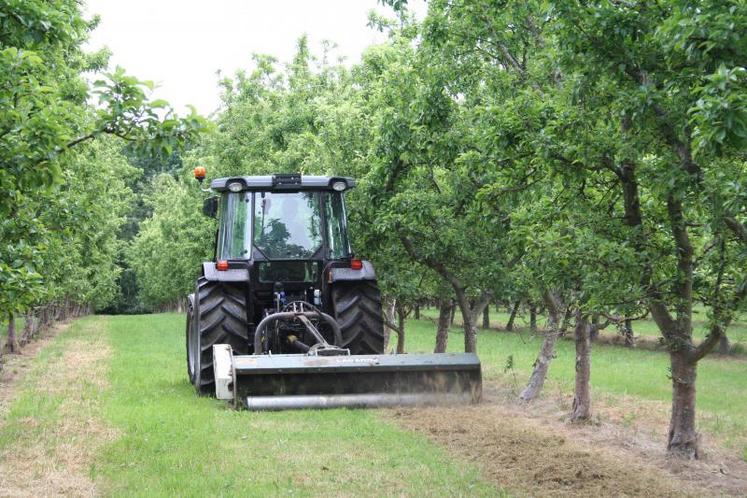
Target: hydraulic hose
<point x="293" y="315"/>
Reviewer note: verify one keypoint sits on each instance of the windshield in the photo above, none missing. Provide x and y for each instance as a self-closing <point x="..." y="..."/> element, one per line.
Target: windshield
<point x="287" y="225"/>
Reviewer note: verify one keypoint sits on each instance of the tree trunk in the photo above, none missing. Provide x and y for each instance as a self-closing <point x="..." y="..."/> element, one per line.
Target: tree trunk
<point x="532" y="317"/>
<point x="547" y="350"/>
<point x="470" y="334"/>
<point x="468" y="325"/>
<point x="417" y="312"/>
<point x="486" y="317"/>
<point x="627" y="332"/>
<point x="512" y="316"/>
<point x="11" y="344"/>
<point x="683" y="439"/>
<point x="471" y="311"/>
<point x="723" y="345"/>
<point x="442" y="333"/>
<point x="401" y="315"/>
<point x="453" y="312"/>
<point x="582" y="396"/>
<point x="28" y="328"/>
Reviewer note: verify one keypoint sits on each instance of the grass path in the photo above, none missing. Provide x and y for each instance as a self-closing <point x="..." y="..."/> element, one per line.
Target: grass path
<point x="107" y="411"/>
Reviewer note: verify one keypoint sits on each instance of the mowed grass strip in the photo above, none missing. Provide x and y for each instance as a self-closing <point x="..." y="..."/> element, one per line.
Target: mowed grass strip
<point x="616" y="370"/>
<point x="174" y="443"/>
<point x="53" y="428"/>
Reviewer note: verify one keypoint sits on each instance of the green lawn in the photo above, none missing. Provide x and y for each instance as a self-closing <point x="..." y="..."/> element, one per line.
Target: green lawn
<point x="737" y="332"/>
<point x="616" y="370"/>
<point x="169" y="442"/>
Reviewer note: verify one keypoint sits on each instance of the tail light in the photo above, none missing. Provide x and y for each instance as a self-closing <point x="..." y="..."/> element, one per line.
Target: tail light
<point x="221" y="265"/>
<point x="356" y="264"/>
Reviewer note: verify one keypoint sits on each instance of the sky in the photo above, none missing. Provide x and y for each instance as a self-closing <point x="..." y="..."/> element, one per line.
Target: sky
<point x="182" y="44"/>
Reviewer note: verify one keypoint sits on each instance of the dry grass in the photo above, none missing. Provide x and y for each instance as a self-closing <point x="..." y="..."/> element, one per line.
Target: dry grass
<point x="532" y="450"/>
<point x="16" y="366"/>
<point x="54" y="452"/>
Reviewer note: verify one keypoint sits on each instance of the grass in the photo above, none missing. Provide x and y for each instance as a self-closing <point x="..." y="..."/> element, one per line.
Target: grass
<point x="169" y="442"/>
<point x="737" y="331"/>
<point x="171" y="436"/>
<point x="618" y="371"/>
<point x="30" y="405"/>
<point x="50" y="431"/>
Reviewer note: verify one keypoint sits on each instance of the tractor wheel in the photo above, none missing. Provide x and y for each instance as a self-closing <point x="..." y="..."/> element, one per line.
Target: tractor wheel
<point x="357" y="307"/>
<point x="217" y="315"/>
<point x="190" y="322"/>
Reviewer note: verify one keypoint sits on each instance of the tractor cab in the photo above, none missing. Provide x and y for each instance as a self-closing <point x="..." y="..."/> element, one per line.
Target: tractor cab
<point x="304" y="220"/>
<point x="285" y="231"/>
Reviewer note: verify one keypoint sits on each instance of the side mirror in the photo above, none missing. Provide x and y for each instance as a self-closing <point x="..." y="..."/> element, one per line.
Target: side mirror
<point x="210" y="207"/>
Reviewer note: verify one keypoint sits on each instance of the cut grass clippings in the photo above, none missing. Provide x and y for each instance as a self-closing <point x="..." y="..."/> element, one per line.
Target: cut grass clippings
<point x="534" y="460"/>
<point x="617" y="371"/>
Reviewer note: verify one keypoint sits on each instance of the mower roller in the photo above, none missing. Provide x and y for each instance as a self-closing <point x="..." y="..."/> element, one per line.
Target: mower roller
<point x="286" y="317"/>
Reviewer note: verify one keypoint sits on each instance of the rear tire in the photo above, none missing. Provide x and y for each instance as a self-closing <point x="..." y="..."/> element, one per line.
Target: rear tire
<point x="357" y="307"/>
<point x="189" y="336"/>
<point x="217" y="315"/>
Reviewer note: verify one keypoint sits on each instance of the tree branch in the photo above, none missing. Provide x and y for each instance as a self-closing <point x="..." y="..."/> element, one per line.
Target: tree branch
<point x="718" y="328"/>
<point x="391" y="325"/>
<point x="738" y="228"/>
<point x="435" y="264"/>
<point x="479" y="306"/>
<point x="79" y="140"/>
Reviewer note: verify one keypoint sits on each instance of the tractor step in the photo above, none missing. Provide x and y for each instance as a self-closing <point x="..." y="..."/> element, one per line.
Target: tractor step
<point x="292" y="381"/>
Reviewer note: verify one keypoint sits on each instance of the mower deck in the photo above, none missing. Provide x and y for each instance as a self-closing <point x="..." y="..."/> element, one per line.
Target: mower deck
<point x="293" y="381"/>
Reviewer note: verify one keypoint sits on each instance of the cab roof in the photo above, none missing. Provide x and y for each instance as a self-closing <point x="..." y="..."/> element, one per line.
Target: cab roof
<point x="282" y="182"/>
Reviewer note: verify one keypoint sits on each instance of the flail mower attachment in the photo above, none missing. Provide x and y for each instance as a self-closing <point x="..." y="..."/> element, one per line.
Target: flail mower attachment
<point x="327" y="376"/>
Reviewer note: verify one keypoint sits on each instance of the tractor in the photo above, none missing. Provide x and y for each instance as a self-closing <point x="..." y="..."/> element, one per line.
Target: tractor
<point x="286" y="316"/>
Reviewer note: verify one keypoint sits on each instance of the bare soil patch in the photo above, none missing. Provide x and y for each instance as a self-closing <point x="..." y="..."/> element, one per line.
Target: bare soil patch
<point x="531" y="450"/>
<point x="56" y="460"/>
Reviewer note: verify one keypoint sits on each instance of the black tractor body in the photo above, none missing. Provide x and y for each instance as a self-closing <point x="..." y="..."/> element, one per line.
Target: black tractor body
<point x="285" y="284"/>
